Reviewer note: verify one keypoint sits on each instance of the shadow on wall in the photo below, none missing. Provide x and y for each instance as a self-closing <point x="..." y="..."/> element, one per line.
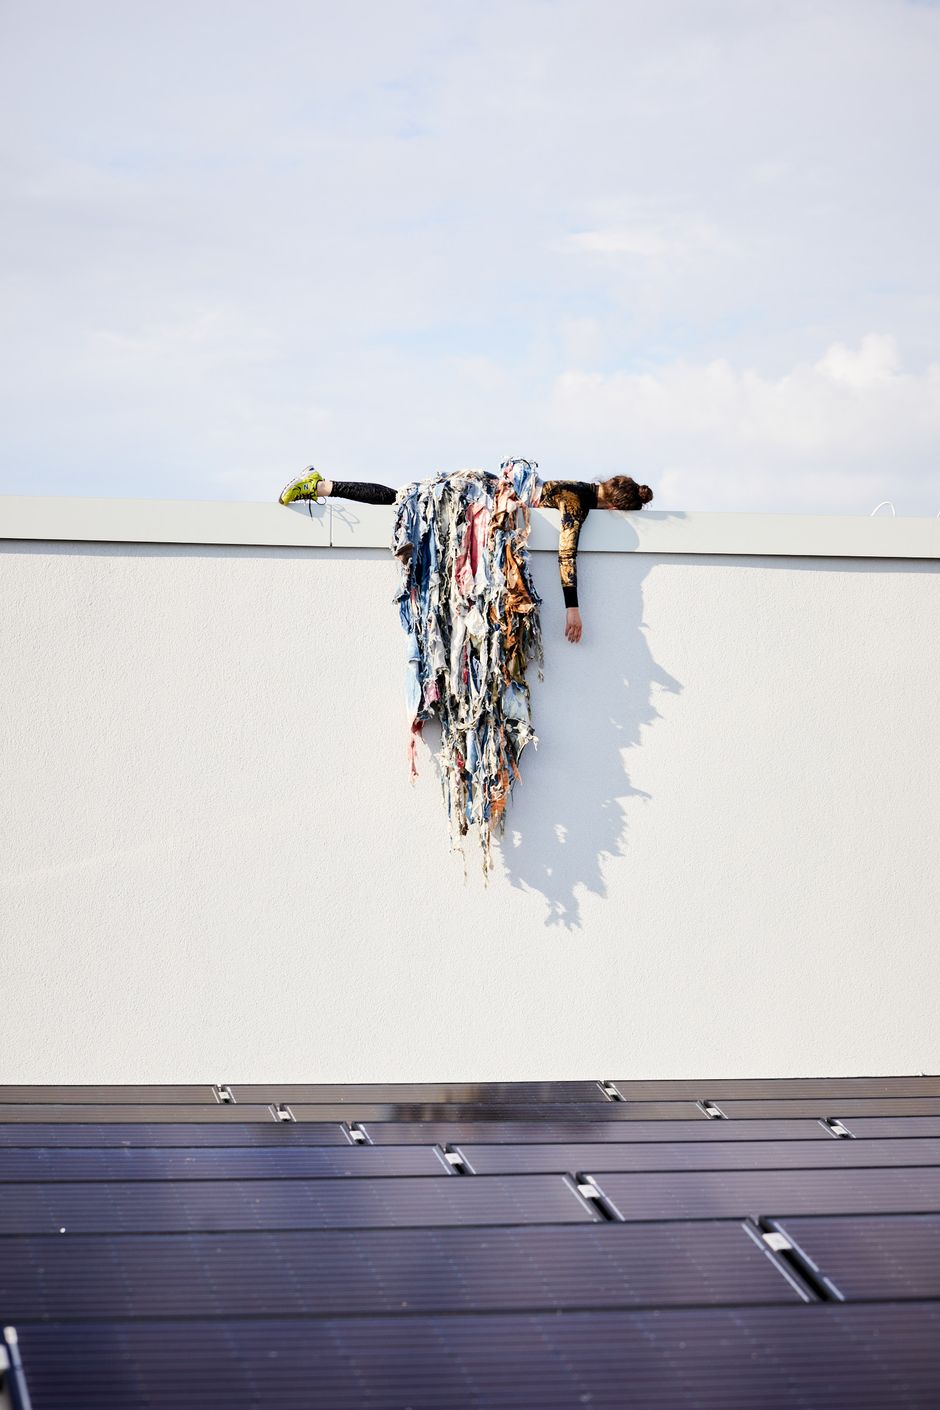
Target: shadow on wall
<point x="568" y="816"/>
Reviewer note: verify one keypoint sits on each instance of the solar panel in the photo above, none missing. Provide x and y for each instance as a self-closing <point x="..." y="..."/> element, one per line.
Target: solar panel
<point x="284" y="1134"/>
<point x="421" y="1093"/>
<point x="690" y="1155"/>
<point x="207" y="1205"/>
<point x="48" y="1112"/>
<point x="857" y="1357"/>
<point x="834" y="1106"/>
<point x="387" y="1271"/>
<point x="220" y="1163"/>
<point x="767" y="1088"/>
<point x="497" y="1111"/>
<point x="725" y="1193"/>
<point x="879" y="1127"/>
<point x="506" y="1132"/>
<point x="874" y="1256"/>
<point x="109" y="1095"/>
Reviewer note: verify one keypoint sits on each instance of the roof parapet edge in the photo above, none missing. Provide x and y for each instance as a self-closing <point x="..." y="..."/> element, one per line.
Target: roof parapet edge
<point x="345" y="525"/>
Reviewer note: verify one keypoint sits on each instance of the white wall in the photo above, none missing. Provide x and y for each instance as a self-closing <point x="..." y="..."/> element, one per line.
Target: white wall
<point x="721" y="860"/>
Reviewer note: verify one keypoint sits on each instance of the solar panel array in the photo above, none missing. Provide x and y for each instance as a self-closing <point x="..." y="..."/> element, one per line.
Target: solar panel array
<point x="658" y="1244"/>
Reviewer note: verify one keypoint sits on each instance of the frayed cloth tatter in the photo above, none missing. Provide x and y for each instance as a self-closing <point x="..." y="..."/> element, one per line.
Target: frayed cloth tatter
<point x="471" y="613"/>
<point x="412" y="746"/>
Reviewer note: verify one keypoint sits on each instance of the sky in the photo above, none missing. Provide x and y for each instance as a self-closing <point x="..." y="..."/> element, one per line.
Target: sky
<point x="694" y="241"/>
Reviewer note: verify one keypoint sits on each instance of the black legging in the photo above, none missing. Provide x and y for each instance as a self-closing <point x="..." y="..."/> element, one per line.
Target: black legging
<point x="364" y="492"/>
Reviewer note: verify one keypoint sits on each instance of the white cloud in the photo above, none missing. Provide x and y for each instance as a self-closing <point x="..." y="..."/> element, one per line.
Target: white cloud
<point x="176" y="351"/>
<point x="836" y="434"/>
<point x="876" y="361"/>
<point x="651" y="242"/>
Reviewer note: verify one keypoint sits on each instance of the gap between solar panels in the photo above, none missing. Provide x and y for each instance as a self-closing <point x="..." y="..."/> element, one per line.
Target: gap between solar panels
<point x="14" y="1393"/>
<point x="782" y="1247"/>
<point x="835" y="1127"/>
<point x="588" y="1189"/>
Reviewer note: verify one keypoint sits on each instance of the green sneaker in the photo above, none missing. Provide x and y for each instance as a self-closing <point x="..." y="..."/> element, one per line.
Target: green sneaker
<point x="304" y="487"/>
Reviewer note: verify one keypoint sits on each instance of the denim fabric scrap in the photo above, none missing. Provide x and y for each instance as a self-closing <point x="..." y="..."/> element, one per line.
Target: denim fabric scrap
<point x="470" y="612"/>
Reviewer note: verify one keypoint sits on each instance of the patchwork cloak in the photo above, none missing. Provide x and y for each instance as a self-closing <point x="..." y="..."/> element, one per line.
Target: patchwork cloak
<point x="471" y="614"/>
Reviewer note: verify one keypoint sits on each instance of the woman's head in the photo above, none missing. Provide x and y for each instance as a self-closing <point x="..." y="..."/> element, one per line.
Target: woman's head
<point x="620" y="492"/>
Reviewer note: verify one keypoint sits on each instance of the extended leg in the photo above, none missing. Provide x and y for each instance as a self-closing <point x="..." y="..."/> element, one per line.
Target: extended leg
<point x="312" y="485"/>
<point x="361" y="490"/>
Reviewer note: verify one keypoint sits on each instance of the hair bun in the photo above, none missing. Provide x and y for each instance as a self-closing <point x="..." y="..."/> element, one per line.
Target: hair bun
<point x="645" y="493"/>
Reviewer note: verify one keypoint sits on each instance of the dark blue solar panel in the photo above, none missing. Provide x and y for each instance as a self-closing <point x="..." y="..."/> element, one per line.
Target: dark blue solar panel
<point x="705" y="1194"/>
<point x="282" y="1134"/>
<point x="873" y="1256"/>
<point x="389" y="1271"/>
<point x="422" y="1093"/>
<point x="880" y="1127"/>
<point x="765" y="1088"/>
<point x="219" y="1163"/>
<point x="833" y="1106"/>
<point x="498" y="1111"/>
<point x="283" y="1204"/>
<point x="779" y="1358"/>
<point x="695" y="1155"/>
<point x="507" y="1132"/>
<point x="48" y="1112"/>
<point x="70" y="1094"/>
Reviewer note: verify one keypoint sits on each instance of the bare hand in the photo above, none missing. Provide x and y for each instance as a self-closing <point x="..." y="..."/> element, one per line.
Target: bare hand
<point x="573" y="624"/>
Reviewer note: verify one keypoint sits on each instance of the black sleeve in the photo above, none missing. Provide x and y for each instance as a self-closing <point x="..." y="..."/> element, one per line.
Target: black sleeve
<point x="364" y="492"/>
<point x="574" y="499"/>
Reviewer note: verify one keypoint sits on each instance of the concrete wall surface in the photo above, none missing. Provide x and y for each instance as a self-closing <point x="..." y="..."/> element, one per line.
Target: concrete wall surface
<point x="722" y="859"/>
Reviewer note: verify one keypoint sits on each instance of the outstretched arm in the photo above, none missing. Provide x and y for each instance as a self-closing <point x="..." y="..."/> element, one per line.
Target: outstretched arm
<point x="568" y="571"/>
<point x="572" y="500"/>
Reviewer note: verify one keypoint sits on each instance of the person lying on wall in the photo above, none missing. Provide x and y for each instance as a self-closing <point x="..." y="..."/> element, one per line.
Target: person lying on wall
<point x="573" y="498"/>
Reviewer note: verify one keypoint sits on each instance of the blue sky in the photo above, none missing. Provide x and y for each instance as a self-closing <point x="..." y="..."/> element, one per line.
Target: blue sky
<point x="694" y="242"/>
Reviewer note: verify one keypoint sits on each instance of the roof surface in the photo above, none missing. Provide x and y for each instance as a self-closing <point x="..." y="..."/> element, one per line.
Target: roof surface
<point x="659" y="1244"/>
